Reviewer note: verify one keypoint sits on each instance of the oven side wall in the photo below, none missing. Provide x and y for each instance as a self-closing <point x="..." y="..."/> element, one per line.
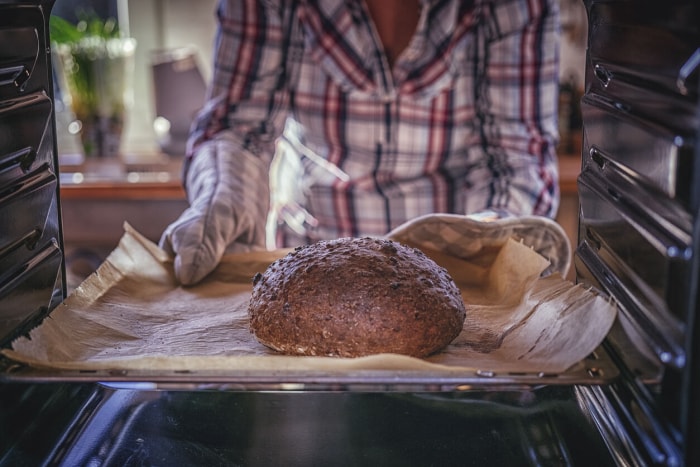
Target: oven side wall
<point x="638" y="220"/>
<point x="31" y="251"/>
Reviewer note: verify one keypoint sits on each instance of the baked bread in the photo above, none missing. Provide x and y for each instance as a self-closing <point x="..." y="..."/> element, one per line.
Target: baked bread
<point x="355" y="296"/>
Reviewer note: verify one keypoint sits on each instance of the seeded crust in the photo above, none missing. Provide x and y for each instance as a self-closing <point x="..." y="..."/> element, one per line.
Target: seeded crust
<point x="353" y="297"/>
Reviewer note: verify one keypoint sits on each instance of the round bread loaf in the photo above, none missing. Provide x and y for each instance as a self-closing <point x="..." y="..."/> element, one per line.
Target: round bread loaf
<point x="355" y="296"/>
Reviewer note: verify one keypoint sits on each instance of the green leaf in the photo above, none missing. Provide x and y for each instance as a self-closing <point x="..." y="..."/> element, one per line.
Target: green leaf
<point x="89" y="25"/>
<point x="63" y="31"/>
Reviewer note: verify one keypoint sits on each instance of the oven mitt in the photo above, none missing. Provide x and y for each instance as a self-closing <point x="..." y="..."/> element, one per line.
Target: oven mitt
<point x="229" y="200"/>
<point x="465" y="236"/>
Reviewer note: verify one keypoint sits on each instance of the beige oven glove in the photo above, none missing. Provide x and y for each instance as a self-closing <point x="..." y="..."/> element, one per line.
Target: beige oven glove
<point x="228" y="192"/>
<point x="466" y="236"/>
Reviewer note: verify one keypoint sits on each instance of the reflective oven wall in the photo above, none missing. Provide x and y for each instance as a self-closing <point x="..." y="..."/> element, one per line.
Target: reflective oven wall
<point x="31" y="258"/>
<point x="639" y="225"/>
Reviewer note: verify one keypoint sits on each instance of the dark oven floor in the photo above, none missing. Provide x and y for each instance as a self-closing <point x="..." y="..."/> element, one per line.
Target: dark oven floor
<point x="75" y="424"/>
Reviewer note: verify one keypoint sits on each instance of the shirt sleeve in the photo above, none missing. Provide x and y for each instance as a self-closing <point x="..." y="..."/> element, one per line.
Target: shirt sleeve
<point x="516" y="97"/>
<point x="246" y="99"/>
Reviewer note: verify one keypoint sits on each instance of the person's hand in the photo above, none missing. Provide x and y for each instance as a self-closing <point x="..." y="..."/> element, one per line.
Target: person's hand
<point x="229" y="198"/>
<point x="464" y="235"/>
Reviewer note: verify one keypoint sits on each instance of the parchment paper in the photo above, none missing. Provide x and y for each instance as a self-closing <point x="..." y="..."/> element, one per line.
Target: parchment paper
<point x="131" y="314"/>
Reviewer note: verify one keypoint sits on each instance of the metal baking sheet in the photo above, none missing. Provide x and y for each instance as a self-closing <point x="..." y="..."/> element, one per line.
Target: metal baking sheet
<point x="596" y="369"/>
<point x="529" y="355"/>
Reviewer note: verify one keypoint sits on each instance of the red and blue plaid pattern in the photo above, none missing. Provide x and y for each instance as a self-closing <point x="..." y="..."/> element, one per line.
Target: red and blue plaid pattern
<point x="464" y="121"/>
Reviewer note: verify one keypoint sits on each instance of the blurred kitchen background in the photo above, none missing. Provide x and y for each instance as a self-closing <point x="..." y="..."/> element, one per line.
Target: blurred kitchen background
<point x="171" y="64"/>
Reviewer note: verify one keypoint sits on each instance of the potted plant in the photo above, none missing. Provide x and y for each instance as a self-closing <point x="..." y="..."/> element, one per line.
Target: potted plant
<point x="94" y="67"/>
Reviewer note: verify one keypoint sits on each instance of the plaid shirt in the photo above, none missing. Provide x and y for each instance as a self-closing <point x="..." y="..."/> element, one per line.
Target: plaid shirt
<point x="464" y="121"/>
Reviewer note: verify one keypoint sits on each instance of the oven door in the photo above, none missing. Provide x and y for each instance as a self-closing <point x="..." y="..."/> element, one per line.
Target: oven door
<point x="73" y="424"/>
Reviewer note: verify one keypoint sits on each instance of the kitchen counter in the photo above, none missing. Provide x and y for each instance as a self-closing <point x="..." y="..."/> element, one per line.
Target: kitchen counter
<point x="98" y="196"/>
<point x="569" y="169"/>
<point x="160" y="179"/>
<point x="100" y="179"/>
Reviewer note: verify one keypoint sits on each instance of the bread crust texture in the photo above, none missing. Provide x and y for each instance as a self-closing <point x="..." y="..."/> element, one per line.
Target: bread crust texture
<point x="353" y="297"/>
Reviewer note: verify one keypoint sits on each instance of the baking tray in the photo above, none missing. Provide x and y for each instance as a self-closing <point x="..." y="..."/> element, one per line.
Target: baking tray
<point x="597" y="369"/>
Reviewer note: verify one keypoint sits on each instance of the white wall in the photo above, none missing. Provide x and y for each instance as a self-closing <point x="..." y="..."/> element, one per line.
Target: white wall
<point x="158" y="25"/>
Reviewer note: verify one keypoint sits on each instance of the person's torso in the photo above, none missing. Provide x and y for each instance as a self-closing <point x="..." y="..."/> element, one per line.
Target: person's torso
<point x="397" y="138"/>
